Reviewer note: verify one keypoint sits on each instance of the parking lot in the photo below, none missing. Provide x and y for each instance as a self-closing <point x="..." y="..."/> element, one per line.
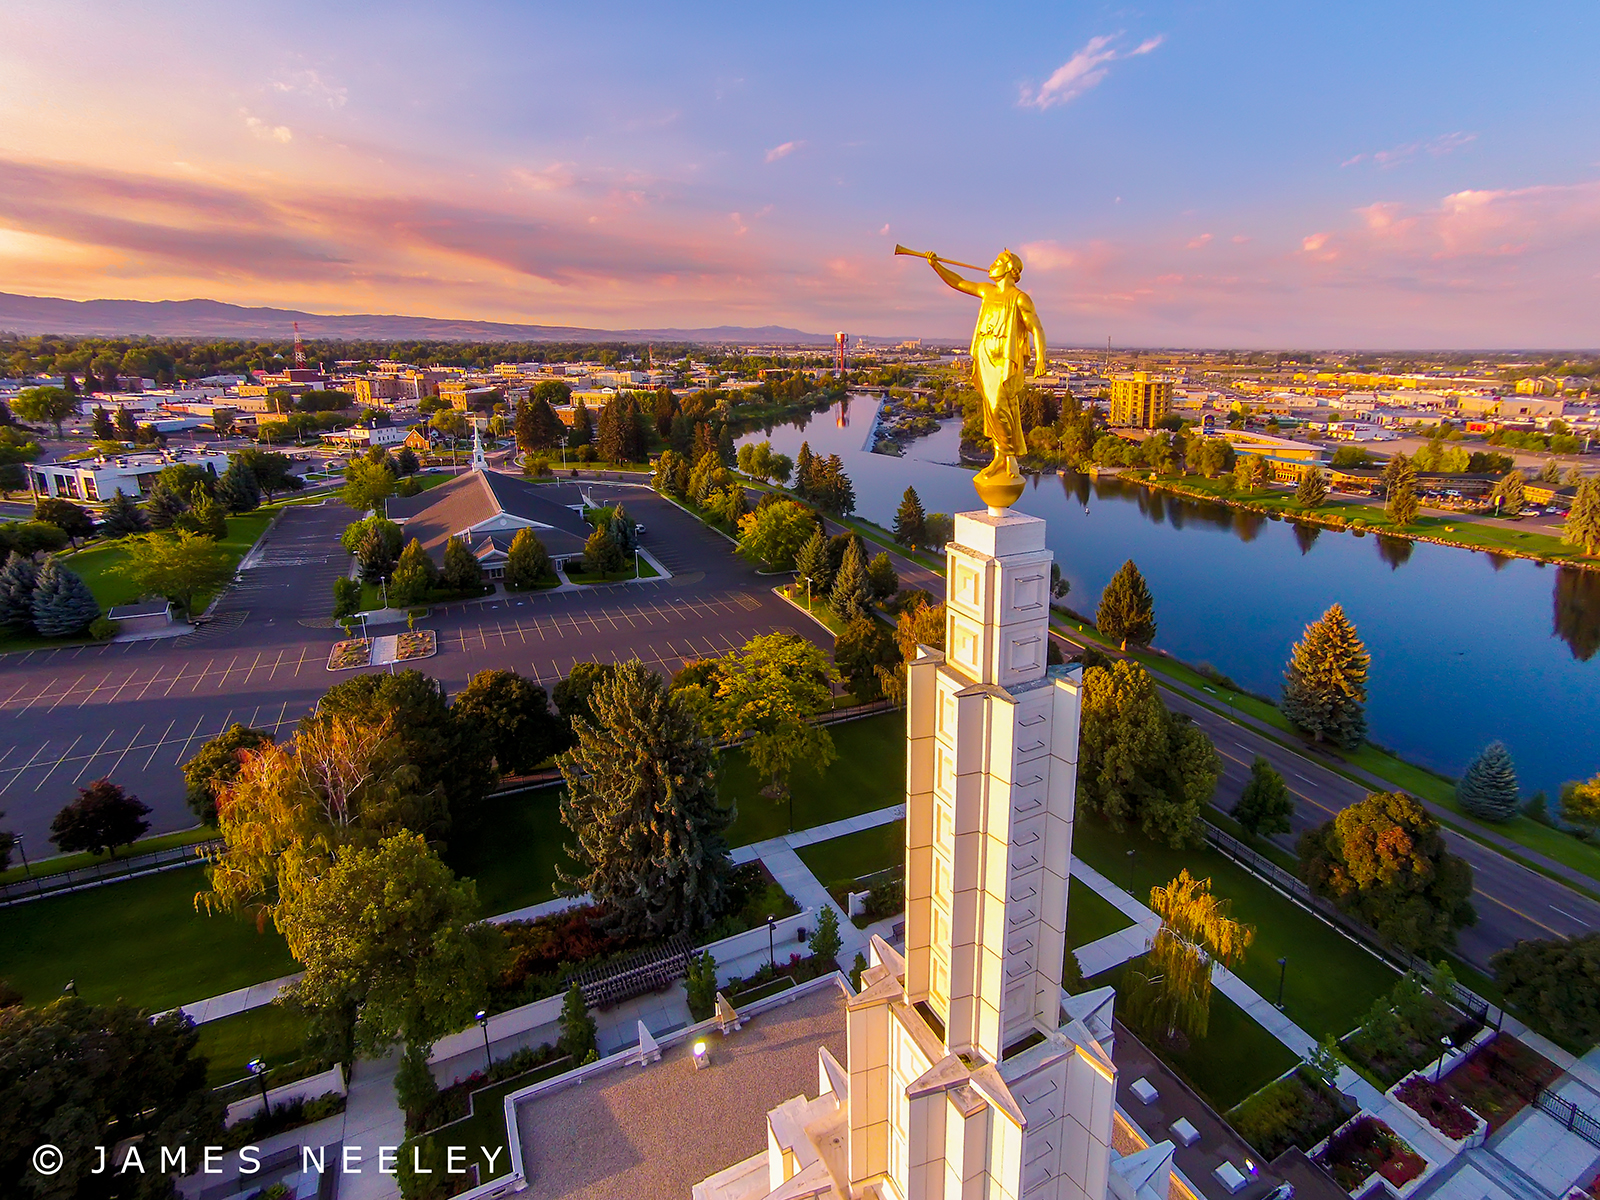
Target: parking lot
<point x="135" y="712"/>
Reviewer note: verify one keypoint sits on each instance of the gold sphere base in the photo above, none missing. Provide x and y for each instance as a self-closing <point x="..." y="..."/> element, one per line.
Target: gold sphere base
<point x="999" y="488"/>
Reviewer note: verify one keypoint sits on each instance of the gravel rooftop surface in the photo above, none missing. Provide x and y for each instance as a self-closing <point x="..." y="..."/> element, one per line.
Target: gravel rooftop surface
<point x="652" y="1133"/>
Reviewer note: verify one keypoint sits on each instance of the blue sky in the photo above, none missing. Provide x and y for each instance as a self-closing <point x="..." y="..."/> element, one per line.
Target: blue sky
<point x="1182" y="174"/>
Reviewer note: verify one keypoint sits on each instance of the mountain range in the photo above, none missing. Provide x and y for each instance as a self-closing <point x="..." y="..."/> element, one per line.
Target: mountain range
<point x="214" y="319"/>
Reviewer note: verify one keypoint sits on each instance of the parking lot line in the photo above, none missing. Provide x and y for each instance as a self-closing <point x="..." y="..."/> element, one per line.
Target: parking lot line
<point x="16" y="772"/>
<point x="13" y="695"/>
<point x="46" y="776"/>
<point x="68" y="692"/>
<point x="159" y="741"/>
<point x="93" y="756"/>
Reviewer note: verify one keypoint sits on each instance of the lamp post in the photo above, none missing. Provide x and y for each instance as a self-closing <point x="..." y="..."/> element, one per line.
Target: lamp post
<point x="483" y="1024"/>
<point x="71" y="989"/>
<point x="772" y="954"/>
<point x="1448" y="1045"/>
<point x="1283" y="968"/>
<point x="1131" y="853"/>
<point x="258" y="1068"/>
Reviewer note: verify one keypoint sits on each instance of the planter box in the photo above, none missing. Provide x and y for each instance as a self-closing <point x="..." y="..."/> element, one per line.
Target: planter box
<point x="1449" y="1145"/>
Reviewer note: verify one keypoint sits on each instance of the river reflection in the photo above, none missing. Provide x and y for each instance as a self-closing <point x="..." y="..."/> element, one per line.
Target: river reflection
<point x="1461" y="655"/>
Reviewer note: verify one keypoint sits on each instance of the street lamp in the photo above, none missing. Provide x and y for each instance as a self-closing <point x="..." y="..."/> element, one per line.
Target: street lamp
<point x="71" y="989"/>
<point x="1131" y="853"/>
<point x="772" y="954"/>
<point x="483" y="1024"/>
<point x="1283" y="968"/>
<point x="258" y="1068"/>
<point x="1448" y="1046"/>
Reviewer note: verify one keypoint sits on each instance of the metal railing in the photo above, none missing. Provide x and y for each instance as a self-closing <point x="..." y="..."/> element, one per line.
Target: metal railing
<point x="111" y="870"/>
<point x="647" y="971"/>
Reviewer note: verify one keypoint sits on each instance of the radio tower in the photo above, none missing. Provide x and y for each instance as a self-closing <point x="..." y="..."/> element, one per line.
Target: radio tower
<point x="838" y="353"/>
<point x="299" y="350"/>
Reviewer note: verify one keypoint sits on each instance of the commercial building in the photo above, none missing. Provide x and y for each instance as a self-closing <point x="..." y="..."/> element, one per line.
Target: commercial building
<point x="1140" y="399"/>
<point x="131" y="474"/>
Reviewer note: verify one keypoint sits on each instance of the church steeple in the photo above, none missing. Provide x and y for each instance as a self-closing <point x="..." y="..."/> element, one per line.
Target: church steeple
<point x="479" y="462"/>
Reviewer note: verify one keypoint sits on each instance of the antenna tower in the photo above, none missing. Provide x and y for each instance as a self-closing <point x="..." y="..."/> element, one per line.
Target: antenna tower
<point x="299" y="350"/>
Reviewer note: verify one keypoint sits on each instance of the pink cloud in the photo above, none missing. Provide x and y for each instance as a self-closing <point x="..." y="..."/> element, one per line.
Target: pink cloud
<point x="783" y="151"/>
<point x="1082" y="72"/>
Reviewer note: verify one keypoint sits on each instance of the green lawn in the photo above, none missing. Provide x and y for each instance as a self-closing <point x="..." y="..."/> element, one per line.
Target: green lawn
<point x="68" y="862"/>
<point x="646" y="571"/>
<point x="1330" y="981"/>
<point x="275" y="1035"/>
<point x="1235" y="1057"/>
<point x="1089" y="917"/>
<point x="513" y="856"/>
<point x="850" y="857"/>
<point x="140" y="941"/>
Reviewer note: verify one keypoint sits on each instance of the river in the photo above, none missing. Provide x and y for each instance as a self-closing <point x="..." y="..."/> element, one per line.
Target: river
<point x="1466" y="646"/>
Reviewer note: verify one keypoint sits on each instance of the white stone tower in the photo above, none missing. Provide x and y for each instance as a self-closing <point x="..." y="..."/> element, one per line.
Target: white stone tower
<point x="971" y="1074"/>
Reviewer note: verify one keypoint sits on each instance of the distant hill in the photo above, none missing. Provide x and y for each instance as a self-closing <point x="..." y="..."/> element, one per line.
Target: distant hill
<point x="213" y="319"/>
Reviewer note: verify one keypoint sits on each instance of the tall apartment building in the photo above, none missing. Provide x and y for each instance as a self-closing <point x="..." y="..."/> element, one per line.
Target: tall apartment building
<point x="1140" y="399"/>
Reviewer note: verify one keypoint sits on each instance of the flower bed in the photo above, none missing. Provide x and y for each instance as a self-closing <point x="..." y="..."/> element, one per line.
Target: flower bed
<point x="416" y="643"/>
<point x="1438" y="1107"/>
<point x="1498" y="1081"/>
<point x="1297" y="1110"/>
<point x="356" y="652"/>
<point x="1368" y="1147"/>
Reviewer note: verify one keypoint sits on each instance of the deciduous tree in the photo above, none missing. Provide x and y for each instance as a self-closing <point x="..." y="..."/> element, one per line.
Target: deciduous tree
<point x="642" y="806"/>
<point x="462" y="571"/>
<point x="366" y="485"/>
<point x="774" y="534"/>
<point x="415" y="575"/>
<point x="527" y="562"/>
<point x="45" y="404"/>
<point x="1127" y="611"/>
<point x="1400" y="485"/>
<point x="72" y="519"/>
<point x="217" y="764"/>
<point x="1170" y="993"/>
<point x="513" y="714"/>
<point x="882" y="579"/>
<point x="178" y="566"/>
<point x="1580" y="803"/>
<point x="1556" y="982"/>
<point x="102" y="818"/>
<point x="1325" y="685"/>
<point x="601" y="554"/>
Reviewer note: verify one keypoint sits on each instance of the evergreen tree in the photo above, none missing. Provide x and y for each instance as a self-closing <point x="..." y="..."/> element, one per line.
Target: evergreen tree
<point x="1488" y="789"/>
<point x="1509" y="494"/>
<point x="852" y="591"/>
<point x="63" y="605"/>
<point x="100" y="424"/>
<point x="406" y="461"/>
<point x="237" y="490"/>
<point x="165" y="506"/>
<point x="881" y="577"/>
<point x="1127" y="611"/>
<point x="642" y="805"/>
<point x="538" y="427"/>
<point x="805" y="469"/>
<point x="578" y="1028"/>
<point x="1325" y="685"/>
<point x="671" y="474"/>
<point x="414" y="576"/>
<point x="377" y="549"/>
<point x="582" y="432"/>
<point x="462" y="571"/>
<point x="725" y="446"/>
<point x="1582" y="527"/>
<point x="825" y="941"/>
<point x="812" y="563"/>
<point x="1400" y="478"/>
<point x="910" y="522"/>
<point x="528" y="562"/>
<point x="18" y="579"/>
<point x="1313" y="489"/>
<point x="1265" y="805"/>
<point x="601" y="554"/>
<point x="126" y="432"/>
<point x="122" y="517"/>
<point x="204" y="516"/>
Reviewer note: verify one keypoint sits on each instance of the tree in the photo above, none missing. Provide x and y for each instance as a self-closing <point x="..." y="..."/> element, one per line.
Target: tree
<point x="513" y="714"/>
<point x="1137" y="762"/>
<point x="122" y="517"/>
<point x="527" y="562"/>
<point x="1580" y="803"/>
<point x="1488" y="788"/>
<point x="1555" y="982"/>
<point x="1582" y="527"/>
<point x="1250" y="473"/>
<point x="100" y="425"/>
<point x="862" y="652"/>
<point x="882" y="580"/>
<point x="601" y="554"/>
<point x="205" y="516"/>
<point x="1400" y="480"/>
<point x="376" y="543"/>
<point x="811" y="562"/>
<point x="775" y="533"/>
<point x="1325" y="684"/>
<point x="825" y="941"/>
<point x="1127" y="611"/>
<point x="578" y="1028"/>
<point x="391" y="931"/>
<point x="414" y="576"/>
<point x="1508" y="495"/>
<point x="831" y="489"/>
<point x="1170" y="993"/>
<point x="1313" y="488"/>
<point x="66" y="516"/>
<point x="272" y="471"/>
<point x="642" y="805"/>
<point x="1383" y="861"/>
<point x="124" y="425"/>
<point x="63" y="605"/>
<point x="18" y="579"/>
<point x="367" y="485"/>
<point x="910" y="522"/>
<point x="83" y="1077"/>
<point x="237" y="490"/>
<point x="462" y="571"/>
<point x="177" y="565"/>
<point x="920" y="625"/>
<point x="216" y="765"/>
<point x="28" y="538"/>
<point x="1265" y="805"/>
<point x="99" y="820"/>
<point x="768" y="690"/>
<point x="572" y="695"/>
<point x="406" y="462"/>
<point x="851" y="596"/>
<point x="165" y="507"/>
<point x="582" y="431"/>
<point x="538" y="427"/>
<point x="52" y="404"/>
<point x="671" y="477"/>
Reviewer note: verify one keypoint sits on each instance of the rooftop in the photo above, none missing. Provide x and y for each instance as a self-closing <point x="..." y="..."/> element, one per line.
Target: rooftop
<point x="475" y="497"/>
<point x="639" y="1133"/>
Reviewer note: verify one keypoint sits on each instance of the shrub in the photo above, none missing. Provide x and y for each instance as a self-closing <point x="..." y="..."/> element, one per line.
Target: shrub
<point x="1293" y="1111"/>
<point x="102" y="629"/>
<point x="1442" y="1110"/>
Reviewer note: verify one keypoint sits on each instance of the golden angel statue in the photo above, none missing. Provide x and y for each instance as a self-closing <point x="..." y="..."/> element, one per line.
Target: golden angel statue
<point x="1006" y="317"/>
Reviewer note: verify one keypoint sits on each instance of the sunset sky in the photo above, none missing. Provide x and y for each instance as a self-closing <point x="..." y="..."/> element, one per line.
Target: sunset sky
<point x="1204" y="174"/>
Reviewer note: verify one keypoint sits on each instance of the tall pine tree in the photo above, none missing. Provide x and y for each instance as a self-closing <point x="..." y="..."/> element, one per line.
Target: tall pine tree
<point x="852" y="591"/>
<point x="1313" y="489"/>
<point x="811" y="564"/>
<point x="910" y="522"/>
<point x="1488" y="789"/>
<point x="1127" y="611"/>
<point x="805" y="472"/>
<point x="63" y="605"/>
<point x="1325" y="686"/>
<point x="237" y="491"/>
<point x="1401" y="480"/>
<point x="122" y="517"/>
<point x="1583" y="519"/>
<point x="18" y="578"/>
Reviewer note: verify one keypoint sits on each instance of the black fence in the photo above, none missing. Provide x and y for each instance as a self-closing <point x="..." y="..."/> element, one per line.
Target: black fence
<point x="33" y="887"/>
<point x="1541" y="1097"/>
<point x="649" y="970"/>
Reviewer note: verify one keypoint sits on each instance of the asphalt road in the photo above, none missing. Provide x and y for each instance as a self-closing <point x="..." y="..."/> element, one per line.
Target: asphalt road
<point x="1512" y="901"/>
<point x="135" y="712"/>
